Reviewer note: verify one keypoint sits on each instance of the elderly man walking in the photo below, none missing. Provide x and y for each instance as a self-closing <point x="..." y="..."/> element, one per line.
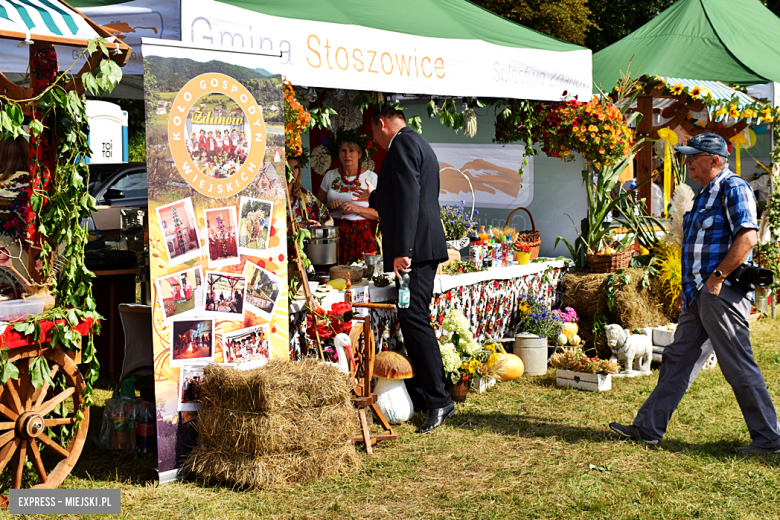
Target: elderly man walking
<point x="719" y="234"/>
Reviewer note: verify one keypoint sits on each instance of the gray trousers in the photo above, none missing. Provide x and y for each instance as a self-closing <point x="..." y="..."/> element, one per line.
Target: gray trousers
<point x="722" y="319"/>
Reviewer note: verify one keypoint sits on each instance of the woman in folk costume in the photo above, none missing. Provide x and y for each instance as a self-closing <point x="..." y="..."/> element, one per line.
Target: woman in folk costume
<point x="232" y="249"/>
<point x="213" y="245"/>
<point x="337" y="190"/>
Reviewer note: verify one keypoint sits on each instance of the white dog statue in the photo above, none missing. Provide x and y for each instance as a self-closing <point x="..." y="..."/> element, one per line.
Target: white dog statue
<point x="635" y="349"/>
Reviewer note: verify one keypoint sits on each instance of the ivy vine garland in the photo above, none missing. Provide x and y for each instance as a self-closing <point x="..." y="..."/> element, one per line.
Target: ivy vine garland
<point x="58" y="212"/>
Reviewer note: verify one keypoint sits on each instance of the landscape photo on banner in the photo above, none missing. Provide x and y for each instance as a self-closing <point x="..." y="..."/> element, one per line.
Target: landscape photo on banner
<point x="492" y="170"/>
<point x="215" y="152"/>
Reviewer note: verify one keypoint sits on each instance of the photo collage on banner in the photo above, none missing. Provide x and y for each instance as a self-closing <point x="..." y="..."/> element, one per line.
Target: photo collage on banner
<point x="217" y="233"/>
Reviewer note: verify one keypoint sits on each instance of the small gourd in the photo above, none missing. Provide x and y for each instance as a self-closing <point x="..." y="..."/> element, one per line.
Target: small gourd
<point x="561" y="339"/>
<point x="574" y="340"/>
<point x="569" y="329"/>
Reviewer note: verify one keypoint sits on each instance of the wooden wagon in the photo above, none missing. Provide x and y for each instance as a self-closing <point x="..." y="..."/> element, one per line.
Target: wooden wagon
<point x="24" y="411"/>
<point x="27" y="413"/>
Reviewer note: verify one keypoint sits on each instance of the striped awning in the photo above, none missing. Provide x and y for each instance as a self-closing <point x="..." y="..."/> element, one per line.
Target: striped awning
<point x="49" y="18"/>
<point x="719" y="90"/>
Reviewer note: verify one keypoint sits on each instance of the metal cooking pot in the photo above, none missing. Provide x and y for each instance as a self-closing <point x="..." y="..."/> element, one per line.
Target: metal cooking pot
<point x="324" y="231"/>
<point x="323" y="251"/>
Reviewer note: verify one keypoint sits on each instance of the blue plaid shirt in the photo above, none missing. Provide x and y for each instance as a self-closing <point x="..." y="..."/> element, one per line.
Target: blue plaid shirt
<point x="708" y="230"/>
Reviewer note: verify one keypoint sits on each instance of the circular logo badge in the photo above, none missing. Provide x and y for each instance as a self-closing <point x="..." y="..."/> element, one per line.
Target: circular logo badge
<point x="217" y="135"/>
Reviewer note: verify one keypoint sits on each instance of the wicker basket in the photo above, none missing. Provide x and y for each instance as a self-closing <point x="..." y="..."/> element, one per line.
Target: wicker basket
<point x="532" y="239"/>
<point x="610" y="263"/>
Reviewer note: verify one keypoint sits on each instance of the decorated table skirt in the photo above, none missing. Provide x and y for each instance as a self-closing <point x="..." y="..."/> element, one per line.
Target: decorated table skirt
<point x="489" y="300"/>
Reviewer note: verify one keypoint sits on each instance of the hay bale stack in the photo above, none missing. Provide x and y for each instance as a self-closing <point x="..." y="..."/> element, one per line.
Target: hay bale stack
<point x="276" y="387"/>
<point x="280" y="424"/>
<point x="269" y="471"/>
<point x="634" y="306"/>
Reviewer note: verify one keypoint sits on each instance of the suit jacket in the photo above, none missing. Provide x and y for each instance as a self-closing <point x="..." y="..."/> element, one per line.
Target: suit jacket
<point x="407" y="199"/>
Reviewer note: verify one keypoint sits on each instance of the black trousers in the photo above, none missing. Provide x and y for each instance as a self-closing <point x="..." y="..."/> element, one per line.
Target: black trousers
<point x="426" y="388"/>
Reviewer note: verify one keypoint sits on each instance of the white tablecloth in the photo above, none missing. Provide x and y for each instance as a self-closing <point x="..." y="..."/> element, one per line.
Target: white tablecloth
<point x="443" y="282"/>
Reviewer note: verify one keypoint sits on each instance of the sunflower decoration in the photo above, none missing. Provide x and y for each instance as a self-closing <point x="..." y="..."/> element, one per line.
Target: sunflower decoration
<point x="677" y="89"/>
<point x="734" y="111"/>
<point x="695" y="92"/>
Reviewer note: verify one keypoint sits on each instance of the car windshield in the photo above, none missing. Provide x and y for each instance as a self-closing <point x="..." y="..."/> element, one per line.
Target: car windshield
<point x="132" y="184"/>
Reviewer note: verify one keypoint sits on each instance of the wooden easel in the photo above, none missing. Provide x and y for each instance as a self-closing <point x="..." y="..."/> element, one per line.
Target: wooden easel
<point x="302" y="282"/>
<point x="363" y="347"/>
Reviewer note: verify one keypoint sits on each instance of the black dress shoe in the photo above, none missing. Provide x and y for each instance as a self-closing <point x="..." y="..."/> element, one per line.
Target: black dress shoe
<point x="436" y="418"/>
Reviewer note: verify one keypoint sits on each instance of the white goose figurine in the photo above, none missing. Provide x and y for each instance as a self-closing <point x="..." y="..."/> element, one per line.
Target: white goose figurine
<point x="341" y="340"/>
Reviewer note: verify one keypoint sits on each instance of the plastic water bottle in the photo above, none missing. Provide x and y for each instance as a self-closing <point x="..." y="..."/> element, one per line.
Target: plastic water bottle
<point x="511" y="251"/>
<point x="404" y="296"/>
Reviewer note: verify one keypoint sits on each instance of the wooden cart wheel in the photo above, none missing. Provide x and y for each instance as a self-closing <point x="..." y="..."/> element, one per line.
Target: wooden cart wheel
<point x="23" y="412"/>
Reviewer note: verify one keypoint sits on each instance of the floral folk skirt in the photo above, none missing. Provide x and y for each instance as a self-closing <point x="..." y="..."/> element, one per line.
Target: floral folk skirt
<point x="355" y="238"/>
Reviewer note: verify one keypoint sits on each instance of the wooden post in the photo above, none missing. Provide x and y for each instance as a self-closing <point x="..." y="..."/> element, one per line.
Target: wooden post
<point x="644" y="158"/>
<point x="303" y="282"/>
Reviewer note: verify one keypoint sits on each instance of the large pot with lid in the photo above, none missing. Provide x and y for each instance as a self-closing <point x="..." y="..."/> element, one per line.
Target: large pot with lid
<point x="324" y="232"/>
<point x="323" y="248"/>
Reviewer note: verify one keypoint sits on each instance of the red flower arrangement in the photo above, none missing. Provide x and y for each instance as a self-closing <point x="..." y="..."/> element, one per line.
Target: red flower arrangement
<point x="329" y="323"/>
<point x="523" y="248"/>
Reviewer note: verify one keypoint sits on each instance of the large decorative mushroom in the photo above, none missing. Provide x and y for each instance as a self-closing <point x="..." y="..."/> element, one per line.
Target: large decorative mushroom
<point x="391" y="368"/>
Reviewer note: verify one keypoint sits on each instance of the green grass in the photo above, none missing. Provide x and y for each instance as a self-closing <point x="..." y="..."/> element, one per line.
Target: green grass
<point x="522" y="450"/>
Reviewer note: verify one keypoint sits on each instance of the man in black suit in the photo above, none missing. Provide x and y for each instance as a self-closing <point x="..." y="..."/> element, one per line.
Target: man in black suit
<point x="407" y="199"/>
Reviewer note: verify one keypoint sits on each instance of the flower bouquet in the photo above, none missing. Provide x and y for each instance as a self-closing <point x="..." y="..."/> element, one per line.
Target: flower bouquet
<point x="463" y="357"/>
<point x="535" y="317"/>
<point x="569" y="327"/>
<point x="457" y="221"/>
<point x="573" y="368"/>
<point x="328" y="324"/>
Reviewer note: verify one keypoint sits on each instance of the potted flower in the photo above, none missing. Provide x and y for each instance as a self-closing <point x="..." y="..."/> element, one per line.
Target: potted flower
<point x="537" y="324"/>
<point x="491" y="368"/>
<point x="523" y="253"/>
<point x="460" y="353"/>
<point x="573" y="368"/>
<point x="457" y="221"/>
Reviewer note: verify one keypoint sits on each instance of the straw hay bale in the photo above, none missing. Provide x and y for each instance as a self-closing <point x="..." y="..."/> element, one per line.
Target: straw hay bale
<point x="635" y="306"/>
<point x="314" y="429"/>
<point x="279" y="386"/>
<point x="227" y="466"/>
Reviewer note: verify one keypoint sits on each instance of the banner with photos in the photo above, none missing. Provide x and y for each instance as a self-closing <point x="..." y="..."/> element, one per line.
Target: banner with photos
<point x="217" y="228"/>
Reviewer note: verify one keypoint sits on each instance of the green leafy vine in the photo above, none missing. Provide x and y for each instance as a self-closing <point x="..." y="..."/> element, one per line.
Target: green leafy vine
<point x="59" y="211"/>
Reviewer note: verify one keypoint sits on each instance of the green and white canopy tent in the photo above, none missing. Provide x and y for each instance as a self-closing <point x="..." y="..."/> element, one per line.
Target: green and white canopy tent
<point x="697" y="43"/>
<point x="444" y="47"/>
<point x="441" y="47"/>
<point x="732" y="41"/>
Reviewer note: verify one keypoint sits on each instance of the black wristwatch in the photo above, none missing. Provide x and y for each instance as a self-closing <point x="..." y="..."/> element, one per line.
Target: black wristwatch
<point x="718" y="274"/>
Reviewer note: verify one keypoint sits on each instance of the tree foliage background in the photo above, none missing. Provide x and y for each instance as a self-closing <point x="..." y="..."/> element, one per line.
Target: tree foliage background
<point x="595" y="24"/>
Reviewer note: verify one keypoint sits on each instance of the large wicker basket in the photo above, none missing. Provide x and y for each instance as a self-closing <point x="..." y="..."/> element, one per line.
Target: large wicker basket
<point x="610" y="263"/>
<point x="532" y="239"/>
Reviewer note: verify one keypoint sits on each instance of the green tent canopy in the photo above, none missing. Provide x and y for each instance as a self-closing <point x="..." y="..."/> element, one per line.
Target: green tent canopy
<point x="456" y="19"/>
<point x="732" y="41"/>
<point x="428" y="47"/>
